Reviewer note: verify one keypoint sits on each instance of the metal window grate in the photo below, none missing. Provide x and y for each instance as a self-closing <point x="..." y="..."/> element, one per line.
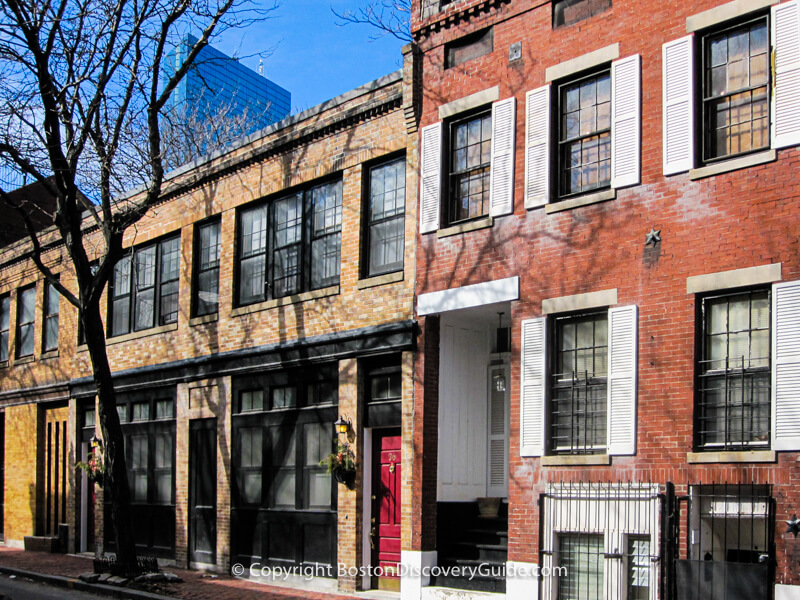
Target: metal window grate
<point x="733" y="404"/>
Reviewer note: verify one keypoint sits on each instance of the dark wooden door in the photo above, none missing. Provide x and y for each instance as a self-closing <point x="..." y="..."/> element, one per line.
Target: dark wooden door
<point x="386" y="508"/>
<point x="203" y="490"/>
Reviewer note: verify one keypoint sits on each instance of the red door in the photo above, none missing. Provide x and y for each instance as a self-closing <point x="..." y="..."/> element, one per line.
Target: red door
<point x="386" y="505"/>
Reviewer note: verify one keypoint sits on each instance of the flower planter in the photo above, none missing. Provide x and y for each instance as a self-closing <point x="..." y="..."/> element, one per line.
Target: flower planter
<point x="489" y="508"/>
<point x="346" y="477"/>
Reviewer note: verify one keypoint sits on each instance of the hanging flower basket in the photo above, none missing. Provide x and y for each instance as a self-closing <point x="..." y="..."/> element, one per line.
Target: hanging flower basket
<point x="342" y="465"/>
<point x="94" y="469"/>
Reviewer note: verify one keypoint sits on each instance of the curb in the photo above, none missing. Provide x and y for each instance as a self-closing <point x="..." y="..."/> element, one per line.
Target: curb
<point x="76" y="584"/>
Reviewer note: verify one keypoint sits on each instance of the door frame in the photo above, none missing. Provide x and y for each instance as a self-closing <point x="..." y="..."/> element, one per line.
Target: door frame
<point x="201" y="424"/>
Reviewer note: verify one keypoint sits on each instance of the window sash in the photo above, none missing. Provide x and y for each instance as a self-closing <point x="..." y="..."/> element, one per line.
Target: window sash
<point x="734" y="372"/>
<point x="145" y="287"/>
<point x="709" y="99"/>
<point x="206" y="288"/>
<point x="582" y="555"/>
<point x="5" y="320"/>
<point x="469" y="163"/>
<point x="51" y="312"/>
<point x="26" y="314"/>
<point x="386" y="214"/>
<point x="301" y="249"/>
<point x="594" y="143"/>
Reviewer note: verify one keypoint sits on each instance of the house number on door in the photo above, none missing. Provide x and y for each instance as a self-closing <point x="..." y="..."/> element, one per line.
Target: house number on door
<point x="392" y="461"/>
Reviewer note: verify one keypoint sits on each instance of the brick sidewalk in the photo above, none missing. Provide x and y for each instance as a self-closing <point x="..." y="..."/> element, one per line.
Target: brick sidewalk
<point x="194" y="587"/>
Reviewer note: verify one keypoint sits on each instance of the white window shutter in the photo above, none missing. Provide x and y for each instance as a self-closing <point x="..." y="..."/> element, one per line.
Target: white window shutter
<point x="532" y="417"/>
<point x="625" y="121"/>
<point x="431" y="177"/>
<point x="537" y="147"/>
<point x="678" y="101"/>
<point x="786" y="366"/>
<point x="501" y="176"/>
<point x="786" y="92"/>
<point x="622" y="357"/>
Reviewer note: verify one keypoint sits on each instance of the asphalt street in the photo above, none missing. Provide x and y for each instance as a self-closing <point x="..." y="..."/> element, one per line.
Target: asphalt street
<point x="19" y="588"/>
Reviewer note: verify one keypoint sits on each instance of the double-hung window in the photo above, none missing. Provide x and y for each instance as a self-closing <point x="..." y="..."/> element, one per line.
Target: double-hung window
<point x="5" y="325"/>
<point x="579" y="380"/>
<point x="579" y="384"/>
<point x="386" y="218"/>
<point x="467" y="163"/>
<point x="584" y="135"/>
<point x="291" y="244"/>
<point x="26" y="311"/>
<point x="51" y="309"/>
<point x="206" y="285"/>
<point x="722" y="97"/>
<point x="144" y="287"/>
<point x="733" y="391"/>
<point x="583" y="130"/>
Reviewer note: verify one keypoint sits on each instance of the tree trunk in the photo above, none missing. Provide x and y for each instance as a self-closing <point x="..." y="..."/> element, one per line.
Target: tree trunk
<point x="116" y="477"/>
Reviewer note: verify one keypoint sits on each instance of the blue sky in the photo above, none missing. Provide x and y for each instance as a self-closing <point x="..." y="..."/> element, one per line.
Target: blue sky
<point x="310" y="56"/>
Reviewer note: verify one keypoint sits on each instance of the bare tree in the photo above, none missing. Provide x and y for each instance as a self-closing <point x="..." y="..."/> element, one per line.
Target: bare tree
<point x="81" y="104"/>
<point x="390" y="17"/>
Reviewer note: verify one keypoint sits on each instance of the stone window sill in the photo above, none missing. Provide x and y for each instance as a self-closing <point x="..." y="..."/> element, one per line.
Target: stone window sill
<point x="595" y="198"/>
<point x="483" y="223"/>
<point x="212" y="318"/>
<point x="734" y="164"/>
<point x="576" y="460"/>
<point x="24" y="360"/>
<point x="49" y="354"/>
<point x="4" y="364"/>
<point x="141" y="334"/>
<point x="755" y="456"/>
<point x="304" y="297"/>
<point x="380" y="280"/>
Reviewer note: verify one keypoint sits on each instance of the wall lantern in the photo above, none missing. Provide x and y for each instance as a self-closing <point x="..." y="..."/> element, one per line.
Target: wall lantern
<point x="342" y="425"/>
<point x="96" y="442"/>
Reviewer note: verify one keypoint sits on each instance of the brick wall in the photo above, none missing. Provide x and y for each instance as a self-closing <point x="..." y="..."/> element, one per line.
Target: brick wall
<point x="738" y="219"/>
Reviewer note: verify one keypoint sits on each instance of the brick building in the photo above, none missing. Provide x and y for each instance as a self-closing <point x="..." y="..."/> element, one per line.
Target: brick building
<point x="613" y="182"/>
<point x="268" y="294"/>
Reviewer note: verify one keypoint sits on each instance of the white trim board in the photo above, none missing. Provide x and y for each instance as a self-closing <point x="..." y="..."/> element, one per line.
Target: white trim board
<point x="468" y="296"/>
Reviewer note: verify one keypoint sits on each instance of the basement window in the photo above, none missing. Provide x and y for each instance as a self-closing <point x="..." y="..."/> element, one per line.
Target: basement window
<point x="568" y="12"/>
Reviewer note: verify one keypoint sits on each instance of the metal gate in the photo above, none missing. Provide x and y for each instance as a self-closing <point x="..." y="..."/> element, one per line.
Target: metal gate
<point x="720" y="540"/>
<point x="601" y="541"/>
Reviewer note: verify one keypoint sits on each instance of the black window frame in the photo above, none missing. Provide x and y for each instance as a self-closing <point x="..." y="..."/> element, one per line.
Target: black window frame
<point x="280" y="426"/>
<point x="161" y="288"/>
<point x="370" y="223"/>
<point x="702" y="84"/>
<point x="303" y="250"/>
<point x="5" y="327"/>
<point x="452" y="176"/>
<point x="203" y="267"/>
<point x="558" y="384"/>
<point x="49" y="315"/>
<point x="29" y="327"/>
<point x="730" y="375"/>
<point x="560" y="164"/>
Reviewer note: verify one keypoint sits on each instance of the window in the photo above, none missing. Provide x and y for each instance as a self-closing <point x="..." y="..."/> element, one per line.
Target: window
<point x="144" y="290"/>
<point x="584" y="134"/>
<point x="299" y="251"/>
<point x="736" y="96"/>
<point x="206" y="286"/>
<point x="571" y="365"/>
<point x="51" y="301"/>
<point x="5" y="325"/>
<point x="468" y="48"/>
<point x="582" y="556"/>
<point x="386" y="216"/>
<point x="26" y="311"/>
<point x="733" y="405"/>
<point x="729" y="90"/>
<point x="567" y="12"/>
<point x="470" y="165"/>
<point x="578" y="386"/>
<point x="638" y="567"/>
